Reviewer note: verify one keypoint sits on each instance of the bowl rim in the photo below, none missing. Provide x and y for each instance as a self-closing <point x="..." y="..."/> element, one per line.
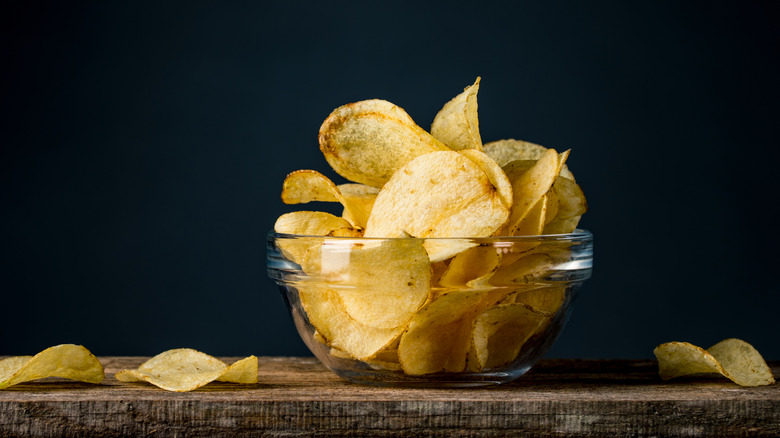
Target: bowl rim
<point x="577" y="235"/>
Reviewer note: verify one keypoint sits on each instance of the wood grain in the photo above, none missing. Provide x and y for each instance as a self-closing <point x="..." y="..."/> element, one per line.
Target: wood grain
<point x="299" y="397"/>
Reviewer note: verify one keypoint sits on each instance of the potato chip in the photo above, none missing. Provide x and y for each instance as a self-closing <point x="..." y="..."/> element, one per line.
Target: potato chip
<point x="368" y="141"/>
<point x="531" y="225"/>
<point x="309" y="223"/>
<point x="732" y="358"/>
<point x="501" y="331"/>
<point x="440" y="194"/>
<point x="506" y="151"/>
<point x="185" y="369"/>
<point x="306" y="223"/>
<point x="380" y="283"/>
<point x="437" y="338"/>
<point x="472" y="268"/>
<point x="494" y="173"/>
<point x="68" y="361"/>
<point x="533" y="222"/>
<point x="359" y="199"/>
<point x="456" y="124"/>
<point x="304" y="186"/>
<point x="339" y="330"/>
<point x="532" y="185"/>
<point x="570" y="207"/>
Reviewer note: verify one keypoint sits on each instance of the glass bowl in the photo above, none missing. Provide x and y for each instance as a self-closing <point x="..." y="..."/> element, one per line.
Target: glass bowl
<point x="440" y="312"/>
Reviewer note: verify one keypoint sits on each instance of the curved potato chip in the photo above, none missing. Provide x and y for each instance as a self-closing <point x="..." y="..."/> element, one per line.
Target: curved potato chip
<point x="306" y="223"/>
<point x="68" y="361"/>
<point x="506" y="151"/>
<point x="304" y="186"/>
<point x="531" y="225"/>
<point x="501" y="331"/>
<point x="494" y="172"/>
<point x="359" y="199"/>
<point x="309" y="223"/>
<point x="368" y="141"/>
<point x="532" y="184"/>
<point x="381" y="284"/>
<point x="552" y="206"/>
<point x="732" y="358"/>
<point x="472" y="267"/>
<point x="456" y="124"/>
<point x="571" y="206"/>
<point x="185" y="369"/>
<point x="440" y="194"/>
<point x="325" y="312"/>
<point x="533" y="222"/>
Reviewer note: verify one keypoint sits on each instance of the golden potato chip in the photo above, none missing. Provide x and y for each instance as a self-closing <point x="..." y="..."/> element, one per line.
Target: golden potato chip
<point x="326" y="313"/>
<point x="307" y="223"/>
<point x="456" y="124"/>
<point x="506" y="151"/>
<point x="472" y="268"/>
<point x="68" y="361"/>
<point x="359" y="200"/>
<point x="368" y="141"/>
<point x="381" y="283"/>
<point x="304" y="186"/>
<point x="732" y="358"/>
<point x="533" y="222"/>
<point x="551" y="207"/>
<point x="495" y="174"/>
<point x="185" y="369"/>
<point x="440" y="194"/>
<point x="437" y="338"/>
<point x="533" y="184"/>
<point x="571" y="206"/>
<point x="501" y="331"/>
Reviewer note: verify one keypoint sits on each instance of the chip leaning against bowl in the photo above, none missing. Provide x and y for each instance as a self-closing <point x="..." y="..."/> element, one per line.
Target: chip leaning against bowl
<point x="408" y="286"/>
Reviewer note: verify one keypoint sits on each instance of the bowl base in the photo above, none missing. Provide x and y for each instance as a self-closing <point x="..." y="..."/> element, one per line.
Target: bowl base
<point x="437" y="380"/>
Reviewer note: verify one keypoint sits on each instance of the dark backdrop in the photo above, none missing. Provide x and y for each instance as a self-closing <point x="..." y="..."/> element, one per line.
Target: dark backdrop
<point x="144" y="147"/>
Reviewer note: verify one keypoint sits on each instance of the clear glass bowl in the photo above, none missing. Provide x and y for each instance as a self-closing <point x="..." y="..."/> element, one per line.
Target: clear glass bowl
<point x="379" y="311"/>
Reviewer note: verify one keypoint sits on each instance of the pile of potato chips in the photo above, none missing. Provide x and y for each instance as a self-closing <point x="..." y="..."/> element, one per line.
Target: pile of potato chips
<point x="434" y="297"/>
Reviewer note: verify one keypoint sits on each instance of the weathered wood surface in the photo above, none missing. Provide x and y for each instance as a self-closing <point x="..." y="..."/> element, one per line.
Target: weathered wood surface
<point x="299" y="397"/>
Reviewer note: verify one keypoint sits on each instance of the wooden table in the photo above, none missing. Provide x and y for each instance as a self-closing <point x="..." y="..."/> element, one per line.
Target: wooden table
<point x="299" y="397"/>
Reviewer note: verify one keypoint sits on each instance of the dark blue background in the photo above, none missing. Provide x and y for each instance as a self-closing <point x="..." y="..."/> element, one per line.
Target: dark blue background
<point x="145" y="143"/>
